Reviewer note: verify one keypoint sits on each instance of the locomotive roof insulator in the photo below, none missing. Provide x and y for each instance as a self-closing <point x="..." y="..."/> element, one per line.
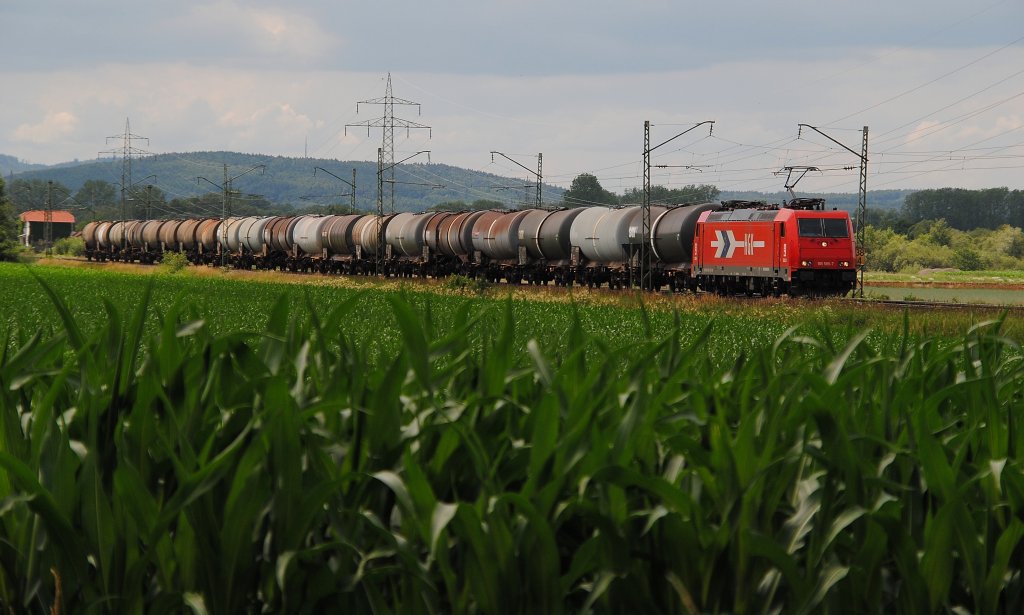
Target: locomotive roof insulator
<point x="817" y="204"/>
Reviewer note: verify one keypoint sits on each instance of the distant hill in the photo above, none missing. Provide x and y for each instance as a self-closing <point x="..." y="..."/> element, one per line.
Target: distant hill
<point x="291" y="181"/>
<point x="10" y="164"/>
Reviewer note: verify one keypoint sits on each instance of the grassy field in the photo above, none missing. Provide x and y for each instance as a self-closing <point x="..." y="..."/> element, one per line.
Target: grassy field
<point x="949" y="294"/>
<point x="1012" y="278"/>
<point x="230" y="443"/>
<point x="234" y="301"/>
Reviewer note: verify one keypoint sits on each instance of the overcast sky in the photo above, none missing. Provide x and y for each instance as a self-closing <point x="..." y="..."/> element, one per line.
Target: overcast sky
<point x="939" y="83"/>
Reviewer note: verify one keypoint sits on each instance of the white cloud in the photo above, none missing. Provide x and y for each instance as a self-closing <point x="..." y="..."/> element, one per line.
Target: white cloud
<point x="581" y="123"/>
<point x="53" y="127"/>
<point x="230" y="27"/>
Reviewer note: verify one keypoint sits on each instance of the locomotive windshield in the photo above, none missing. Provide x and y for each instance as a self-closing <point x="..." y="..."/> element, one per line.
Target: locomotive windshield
<point x="823" y="227"/>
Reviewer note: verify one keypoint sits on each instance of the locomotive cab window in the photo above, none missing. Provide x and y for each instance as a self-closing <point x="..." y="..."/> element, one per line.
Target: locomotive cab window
<point x="810" y="227"/>
<point x="823" y="227"/>
<point x="835" y="227"/>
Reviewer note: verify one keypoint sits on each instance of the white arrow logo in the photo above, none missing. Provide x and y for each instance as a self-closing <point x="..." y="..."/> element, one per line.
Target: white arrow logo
<point x="726" y="244"/>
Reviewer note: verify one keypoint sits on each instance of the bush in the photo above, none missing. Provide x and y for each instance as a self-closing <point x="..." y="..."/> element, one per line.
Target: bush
<point x="465" y="284"/>
<point x="173" y="262"/>
<point x="967" y="259"/>
<point x="69" y="246"/>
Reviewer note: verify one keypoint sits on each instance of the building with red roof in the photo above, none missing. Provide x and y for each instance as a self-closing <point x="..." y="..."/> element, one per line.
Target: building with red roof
<point x="34" y="229"/>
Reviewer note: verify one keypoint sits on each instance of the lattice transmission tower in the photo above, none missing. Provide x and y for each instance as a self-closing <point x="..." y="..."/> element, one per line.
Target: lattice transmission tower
<point x="388" y="122"/>
<point x="127" y="151"/>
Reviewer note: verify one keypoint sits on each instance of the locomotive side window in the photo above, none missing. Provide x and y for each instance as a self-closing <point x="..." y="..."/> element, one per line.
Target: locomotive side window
<point x="810" y="227"/>
<point x="835" y="227"/>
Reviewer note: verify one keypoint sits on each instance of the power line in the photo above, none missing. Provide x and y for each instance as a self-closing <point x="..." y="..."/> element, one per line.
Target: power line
<point x="926" y="84"/>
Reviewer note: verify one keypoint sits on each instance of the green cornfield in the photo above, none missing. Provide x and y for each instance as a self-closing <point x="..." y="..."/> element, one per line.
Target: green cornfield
<point x="388" y="453"/>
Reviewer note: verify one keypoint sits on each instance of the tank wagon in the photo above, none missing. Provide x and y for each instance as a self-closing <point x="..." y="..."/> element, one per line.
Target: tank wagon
<point x="729" y="247"/>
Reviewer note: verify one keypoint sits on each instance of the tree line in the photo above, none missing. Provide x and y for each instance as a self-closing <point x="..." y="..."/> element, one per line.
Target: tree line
<point x="100" y="200"/>
<point x="961" y="209"/>
<point x="586" y="191"/>
<point x="8" y="225"/>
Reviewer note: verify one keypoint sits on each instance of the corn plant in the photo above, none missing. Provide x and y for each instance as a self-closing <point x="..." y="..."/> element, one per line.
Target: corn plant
<point x="299" y="468"/>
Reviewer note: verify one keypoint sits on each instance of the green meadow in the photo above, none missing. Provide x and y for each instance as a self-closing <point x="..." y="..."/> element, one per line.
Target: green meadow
<point x="208" y="444"/>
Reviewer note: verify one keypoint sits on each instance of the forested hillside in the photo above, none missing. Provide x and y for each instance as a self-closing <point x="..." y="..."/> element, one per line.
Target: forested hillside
<point x="286" y="183"/>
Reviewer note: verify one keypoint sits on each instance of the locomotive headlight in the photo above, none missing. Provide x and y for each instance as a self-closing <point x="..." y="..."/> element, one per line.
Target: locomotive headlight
<point x="824" y="244"/>
<point x="844" y="263"/>
<point x="805" y="263"/>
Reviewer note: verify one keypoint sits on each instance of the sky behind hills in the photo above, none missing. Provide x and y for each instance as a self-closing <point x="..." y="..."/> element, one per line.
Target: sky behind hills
<point x="939" y="83"/>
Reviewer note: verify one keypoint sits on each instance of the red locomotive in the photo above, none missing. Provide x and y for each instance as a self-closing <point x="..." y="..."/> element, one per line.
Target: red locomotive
<point x="798" y="248"/>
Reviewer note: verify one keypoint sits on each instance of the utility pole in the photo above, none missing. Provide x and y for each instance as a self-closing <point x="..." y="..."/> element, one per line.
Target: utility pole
<point x="48" y="219"/>
<point x="127" y="150"/>
<point x="351" y="184"/>
<point x="379" y="260"/>
<point x="539" y="174"/>
<point x="381" y="170"/>
<point x="226" y="195"/>
<point x="862" y="195"/>
<point x="646" y="254"/>
<point x="149" y="201"/>
<point x="388" y="122"/>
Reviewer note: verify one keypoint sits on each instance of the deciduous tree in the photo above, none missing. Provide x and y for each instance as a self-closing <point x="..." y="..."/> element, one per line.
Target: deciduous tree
<point x="586" y="190"/>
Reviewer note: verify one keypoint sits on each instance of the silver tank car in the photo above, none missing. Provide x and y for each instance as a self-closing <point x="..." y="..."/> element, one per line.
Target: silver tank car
<point x="366" y="229"/>
<point x="406" y="233"/>
<point x="118" y="234"/>
<point x="133" y="234"/>
<point x="602" y="233"/>
<point x="307" y="234"/>
<point x="432" y="232"/>
<point x="103" y="235"/>
<point x="336" y="234"/>
<point x="546" y="234"/>
<point x="672" y="233"/>
<point x="89" y="235"/>
<point x="251" y="233"/>
<point x="229" y="238"/>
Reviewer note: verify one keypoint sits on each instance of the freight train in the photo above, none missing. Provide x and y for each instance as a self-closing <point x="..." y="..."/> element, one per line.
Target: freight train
<point x="731" y="247"/>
